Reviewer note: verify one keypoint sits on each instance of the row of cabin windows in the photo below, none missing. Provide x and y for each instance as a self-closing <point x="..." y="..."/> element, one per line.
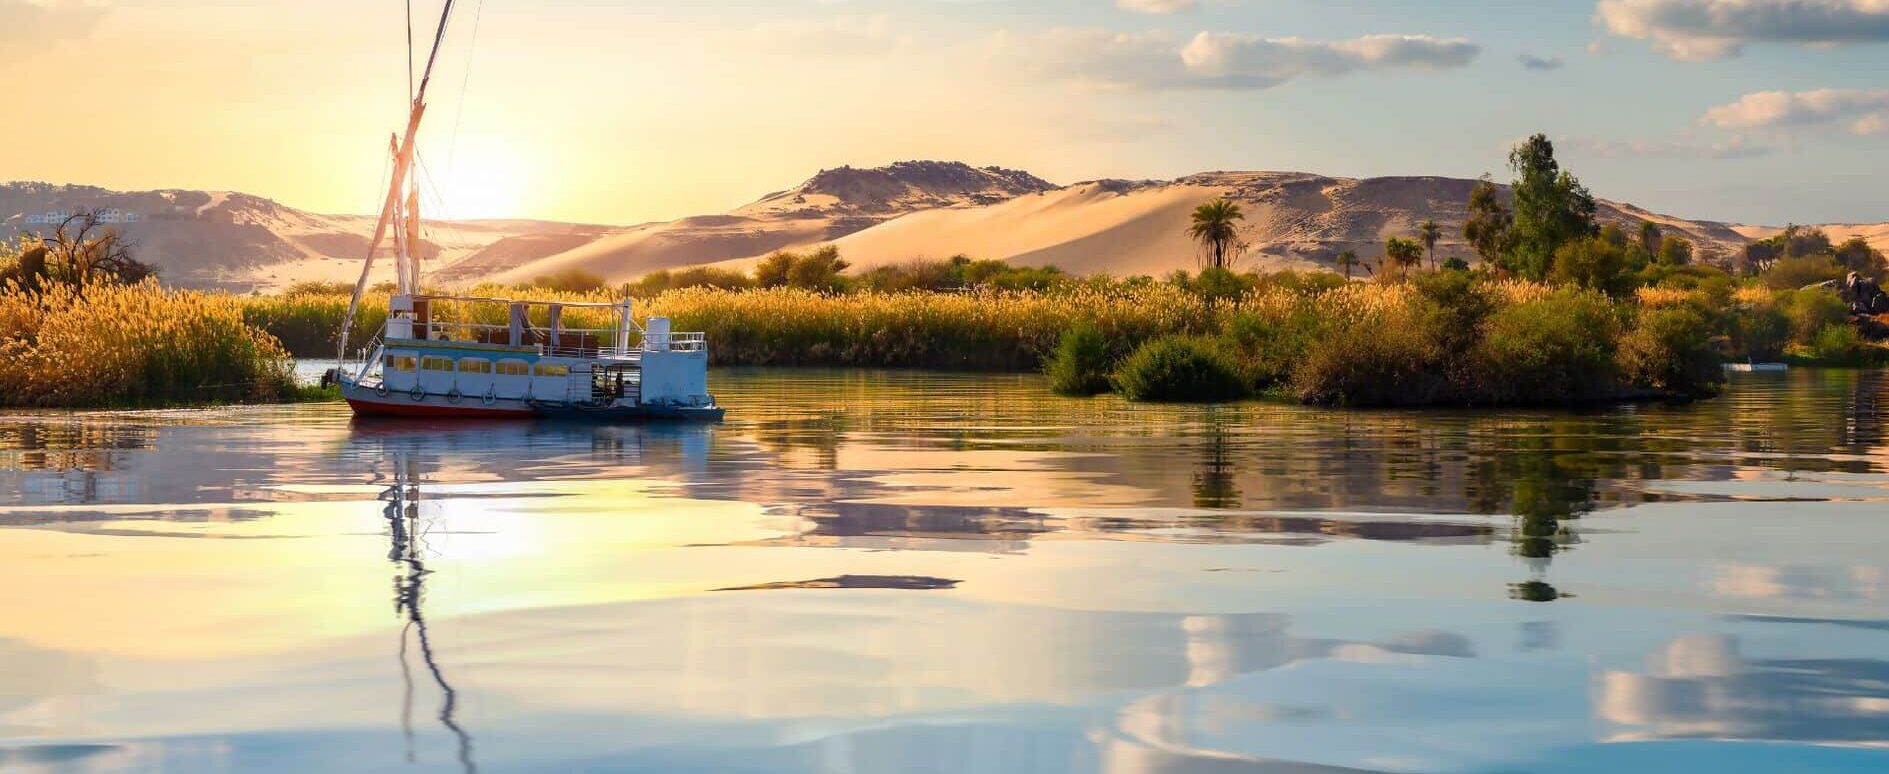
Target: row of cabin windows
<point x="476" y="365"/>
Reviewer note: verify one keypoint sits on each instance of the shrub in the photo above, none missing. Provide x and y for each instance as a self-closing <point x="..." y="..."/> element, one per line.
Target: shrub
<point x="1794" y="273"/>
<point x="1179" y="369"/>
<point x="1840" y="344"/>
<point x="572" y="280"/>
<point x="1669" y="349"/>
<point x="1391" y="355"/>
<point x="1596" y="263"/>
<point x="1759" y="331"/>
<point x="1080" y="364"/>
<point x="1810" y="310"/>
<point x="1558" y="349"/>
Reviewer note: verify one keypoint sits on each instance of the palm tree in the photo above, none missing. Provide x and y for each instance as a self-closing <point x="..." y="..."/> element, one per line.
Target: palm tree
<point x="1347" y="260"/>
<point x="1402" y="253"/>
<point x="1430" y="232"/>
<point x="1213" y="228"/>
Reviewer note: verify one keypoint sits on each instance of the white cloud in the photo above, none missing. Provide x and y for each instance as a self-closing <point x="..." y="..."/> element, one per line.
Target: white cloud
<point x="1157" y="6"/>
<point x="37" y="22"/>
<point x="1696" y="30"/>
<point x="1214" y="60"/>
<point x="1861" y="111"/>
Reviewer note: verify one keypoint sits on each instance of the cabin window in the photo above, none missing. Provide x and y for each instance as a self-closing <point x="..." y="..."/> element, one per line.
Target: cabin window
<point x="431" y="363"/>
<point x="475" y="365"/>
<point x="402" y="363"/>
<point x="513" y="368"/>
<point x="552" y="369"/>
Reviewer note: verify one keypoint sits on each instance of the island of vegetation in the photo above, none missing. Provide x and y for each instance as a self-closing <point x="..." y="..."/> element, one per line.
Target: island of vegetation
<point x="1557" y="309"/>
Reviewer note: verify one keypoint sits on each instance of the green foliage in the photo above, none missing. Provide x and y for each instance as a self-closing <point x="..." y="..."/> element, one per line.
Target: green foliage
<point x="1455" y="264"/>
<point x="1793" y="242"/>
<point x="1673" y="251"/>
<point x="1856" y="255"/>
<point x="1552" y="208"/>
<point x="1490" y="225"/>
<point x="1793" y="272"/>
<point x="817" y="270"/>
<point x="1759" y="332"/>
<point x="1347" y="260"/>
<point x="1840" y="344"/>
<point x="1221" y="284"/>
<point x="1402" y="253"/>
<point x="655" y="283"/>
<point x="1810" y="310"/>
<point x="1596" y="263"/>
<point x="1180" y="370"/>
<point x="571" y="280"/>
<point x="1213" y="227"/>
<point x="1428" y="232"/>
<point x="1080" y="364"/>
<point x="1669" y="349"/>
<point x="1554" y="350"/>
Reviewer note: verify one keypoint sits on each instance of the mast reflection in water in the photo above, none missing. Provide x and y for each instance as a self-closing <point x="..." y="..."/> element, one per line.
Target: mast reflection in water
<point x="407" y="531"/>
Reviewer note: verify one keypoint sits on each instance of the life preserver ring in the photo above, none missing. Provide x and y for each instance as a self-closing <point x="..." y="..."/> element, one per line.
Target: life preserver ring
<point x="417" y="394"/>
<point x="454" y="396"/>
<point x="381" y="389"/>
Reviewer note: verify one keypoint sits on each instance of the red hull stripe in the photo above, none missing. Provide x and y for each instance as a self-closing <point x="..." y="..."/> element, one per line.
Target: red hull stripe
<point x="422" y="410"/>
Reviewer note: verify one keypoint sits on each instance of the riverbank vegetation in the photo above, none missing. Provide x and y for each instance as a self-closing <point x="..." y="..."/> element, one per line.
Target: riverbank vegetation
<point x="1560" y="310"/>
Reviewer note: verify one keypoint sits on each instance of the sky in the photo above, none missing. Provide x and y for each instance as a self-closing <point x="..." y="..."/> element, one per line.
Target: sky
<point x="625" y="111"/>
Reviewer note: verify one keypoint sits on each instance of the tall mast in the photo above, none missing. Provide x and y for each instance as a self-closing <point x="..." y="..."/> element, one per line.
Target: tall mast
<point x="393" y="211"/>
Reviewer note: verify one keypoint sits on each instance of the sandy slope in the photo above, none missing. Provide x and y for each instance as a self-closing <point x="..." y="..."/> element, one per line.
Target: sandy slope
<point x="1293" y="220"/>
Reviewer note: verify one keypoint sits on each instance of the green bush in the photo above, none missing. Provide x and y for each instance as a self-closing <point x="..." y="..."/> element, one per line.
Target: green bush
<point x="1396" y="360"/>
<point x="1811" y="310"/>
<point x="1840" y="344"/>
<point x="1080" y="363"/>
<point x="1669" y="349"/>
<point x="1554" y="350"/>
<point x="1794" y="273"/>
<point x="1179" y="370"/>
<point x="1759" y="332"/>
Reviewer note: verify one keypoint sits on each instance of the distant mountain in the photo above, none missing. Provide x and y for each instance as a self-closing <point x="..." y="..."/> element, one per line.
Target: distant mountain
<point x="914" y="209"/>
<point x="830" y="205"/>
<point x="235" y="240"/>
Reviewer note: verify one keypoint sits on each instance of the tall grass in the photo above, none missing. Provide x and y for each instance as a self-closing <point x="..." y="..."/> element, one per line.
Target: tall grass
<point x="1441" y="337"/>
<point x="133" y="345"/>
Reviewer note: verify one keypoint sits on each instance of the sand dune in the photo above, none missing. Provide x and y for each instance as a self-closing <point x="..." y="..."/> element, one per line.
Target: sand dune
<point x="891" y="214"/>
<point x="1293" y="220"/>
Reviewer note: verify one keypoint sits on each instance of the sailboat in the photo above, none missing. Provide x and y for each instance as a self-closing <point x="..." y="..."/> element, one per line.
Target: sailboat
<point x="419" y="366"/>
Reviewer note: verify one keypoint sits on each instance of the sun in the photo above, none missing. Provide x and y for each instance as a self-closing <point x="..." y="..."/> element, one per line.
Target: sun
<point x="478" y="177"/>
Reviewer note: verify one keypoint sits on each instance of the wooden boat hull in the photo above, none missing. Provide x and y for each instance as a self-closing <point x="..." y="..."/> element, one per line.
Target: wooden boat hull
<point x="366" y="401"/>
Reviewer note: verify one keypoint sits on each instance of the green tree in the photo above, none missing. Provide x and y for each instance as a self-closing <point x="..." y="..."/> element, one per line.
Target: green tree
<point x="1215" y="230"/>
<point x="1403" y="253"/>
<point x="1347" y="260"/>
<point x="1552" y="208"/>
<point x="1650" y="237"/>
<point x="1429" y="232"/>
<point x="1674" y="251"/>
<point x="1856" y="255"/>
<point x="1595" y="263"/>
<point x="1489" y="224"/>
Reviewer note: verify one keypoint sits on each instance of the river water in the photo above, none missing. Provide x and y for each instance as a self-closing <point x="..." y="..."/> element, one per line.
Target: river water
<point x="880" y="571"/>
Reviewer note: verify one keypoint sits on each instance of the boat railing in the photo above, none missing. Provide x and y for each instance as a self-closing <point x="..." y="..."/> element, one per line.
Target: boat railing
<point x="674" y="342"/>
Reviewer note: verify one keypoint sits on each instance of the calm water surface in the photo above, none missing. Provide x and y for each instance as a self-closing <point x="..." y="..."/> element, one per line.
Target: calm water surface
<point x="872" y="572"/>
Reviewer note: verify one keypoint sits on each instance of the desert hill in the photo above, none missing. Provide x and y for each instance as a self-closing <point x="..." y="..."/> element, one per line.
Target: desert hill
<point x="1293" y="220"/>
<point x="918" y="209"/>
<point x="238" y="241"/>
<point x="830" y="205"/>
